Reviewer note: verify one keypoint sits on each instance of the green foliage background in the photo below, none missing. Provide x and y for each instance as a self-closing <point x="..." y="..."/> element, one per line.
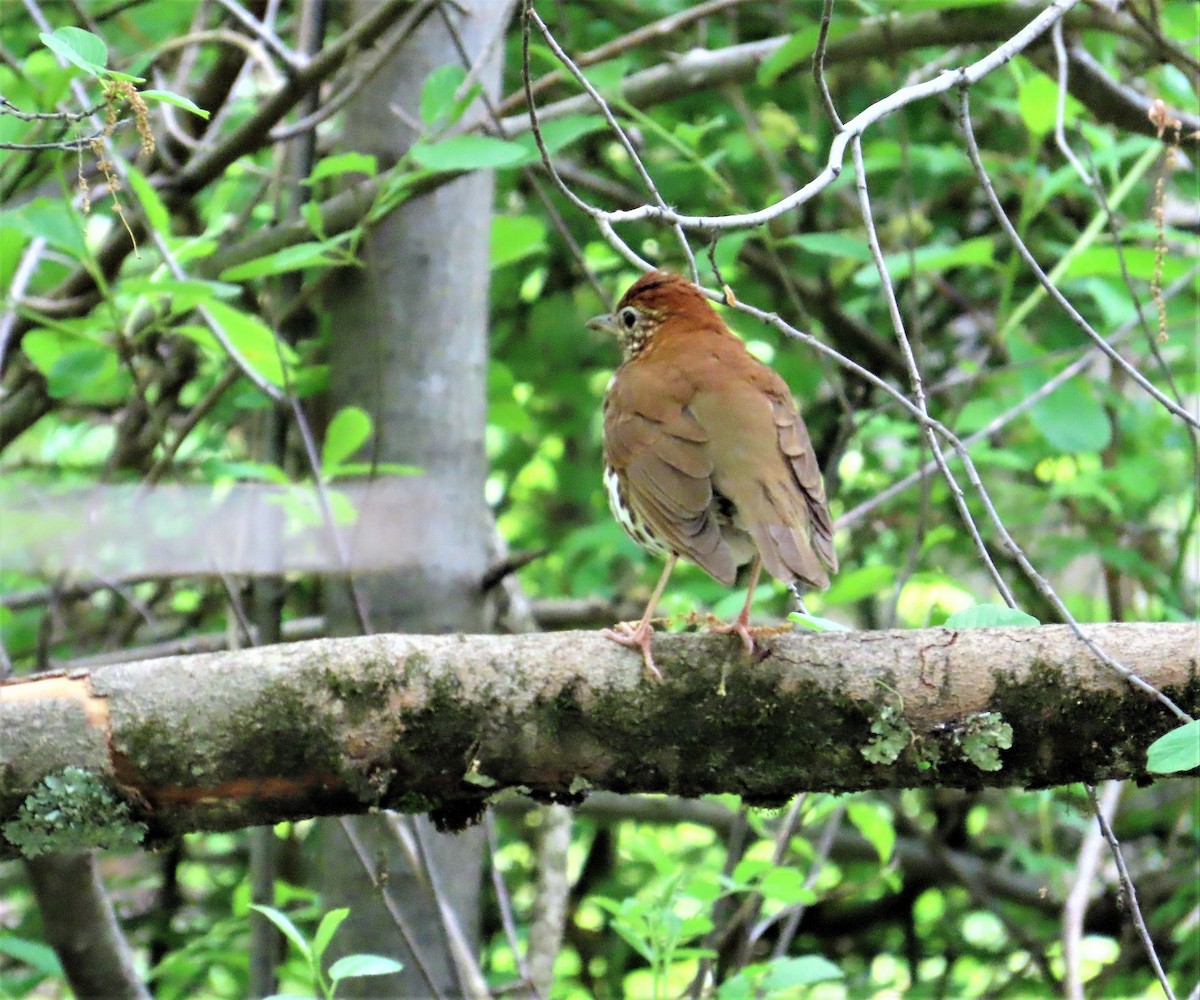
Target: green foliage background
<point x="956" y="893"/>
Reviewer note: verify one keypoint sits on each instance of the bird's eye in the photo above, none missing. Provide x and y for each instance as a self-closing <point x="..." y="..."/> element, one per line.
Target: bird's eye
<point x="629" y="317"/>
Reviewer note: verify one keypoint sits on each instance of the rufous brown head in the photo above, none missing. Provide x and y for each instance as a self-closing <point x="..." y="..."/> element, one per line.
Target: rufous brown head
<point x="650" y="301"/>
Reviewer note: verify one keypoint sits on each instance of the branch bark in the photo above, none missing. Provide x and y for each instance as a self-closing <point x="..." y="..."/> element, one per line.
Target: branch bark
<point x="442" y="723"/>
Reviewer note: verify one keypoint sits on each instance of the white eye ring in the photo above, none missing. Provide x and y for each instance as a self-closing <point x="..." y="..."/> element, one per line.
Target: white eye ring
<point x="628" y="317"/>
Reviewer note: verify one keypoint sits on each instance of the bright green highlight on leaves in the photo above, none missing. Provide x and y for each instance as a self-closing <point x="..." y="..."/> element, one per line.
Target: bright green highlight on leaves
<point x="177" y="100"/>
<point x="469" y="152"/>
<point x="79" y="47"/>
<point x="350" y="967"/>
<point x="34" y="954"/>
<point x="515" y="237"/>
<point x="1178" y="750"/>
<point x="986" y="615"/>
<point x="778" y="978"/>
<point x="348" y="431"/>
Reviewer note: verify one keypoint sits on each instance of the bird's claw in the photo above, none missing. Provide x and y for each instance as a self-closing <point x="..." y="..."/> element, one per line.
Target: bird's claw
<point x="739" y="626"/>
<point x="635" y="635"/>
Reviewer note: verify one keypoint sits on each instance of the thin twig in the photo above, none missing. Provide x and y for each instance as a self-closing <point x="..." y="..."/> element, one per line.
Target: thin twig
<point x="1051" y="289"/>
<point x="818" y="65"/>
<point x="613" y="124"/>
<point x="795" y="913"/>
<point x="857" y="514"/>
<point x="66" y="144"/>
<point x="463" y="963"/>
<point x="856" y="126"/>
<point x="8" y="108"/>
<point x="636" y="39"/>
<point x="394" y="910"/>
<point x="889" y="293"/>
<point x="1135" y="911"/>
<point x="504" y="903"/>
<point x="295" y="63"/>
<point x="1060" y="111"/>
<point x="359" y="77"/>
<point x="1075" y="908"/>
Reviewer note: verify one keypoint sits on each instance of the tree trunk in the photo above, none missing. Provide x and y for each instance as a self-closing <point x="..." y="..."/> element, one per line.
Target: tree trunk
<point x="410" y="347"/>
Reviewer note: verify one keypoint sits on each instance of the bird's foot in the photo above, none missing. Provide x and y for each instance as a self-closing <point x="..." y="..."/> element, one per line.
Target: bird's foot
<point x="751" y="635"/>
<point x="635" y="635"/>
<point x="740" y="626"/>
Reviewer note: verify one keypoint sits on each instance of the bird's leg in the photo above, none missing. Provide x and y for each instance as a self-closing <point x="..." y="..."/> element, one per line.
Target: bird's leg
<point x="741" y="624"/>
<point x="641" y="635"/>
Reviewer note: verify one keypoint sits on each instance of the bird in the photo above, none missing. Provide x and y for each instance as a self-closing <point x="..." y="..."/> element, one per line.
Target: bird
<point x="706" y="457"/>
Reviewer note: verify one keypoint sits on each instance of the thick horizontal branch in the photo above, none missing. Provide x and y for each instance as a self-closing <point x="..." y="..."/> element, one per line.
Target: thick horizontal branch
<point x="442" y="723"/>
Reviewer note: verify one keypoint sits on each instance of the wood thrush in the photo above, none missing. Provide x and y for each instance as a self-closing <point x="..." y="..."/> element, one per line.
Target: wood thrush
<point x="705" y="455"/>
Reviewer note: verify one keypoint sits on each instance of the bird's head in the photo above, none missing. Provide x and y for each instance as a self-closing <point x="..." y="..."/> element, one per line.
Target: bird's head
<point x="651" y="303"/>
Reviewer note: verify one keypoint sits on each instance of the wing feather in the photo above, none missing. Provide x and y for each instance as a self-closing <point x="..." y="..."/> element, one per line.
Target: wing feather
<point x="665" y="473"/>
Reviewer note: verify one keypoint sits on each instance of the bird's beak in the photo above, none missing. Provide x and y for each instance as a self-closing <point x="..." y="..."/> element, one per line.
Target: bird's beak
<point x="604" y="324"/>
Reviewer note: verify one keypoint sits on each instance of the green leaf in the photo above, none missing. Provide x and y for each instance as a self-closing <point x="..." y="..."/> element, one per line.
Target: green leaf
<point x="254" y="341"/>
<point x="327" y="928"/>
<point x="1178" y="750"/>
<point x="791" y="53"/>
<point x="515" y="237"/>
<point x="802" y="971"/>
<point x="299" y="257"/>
<point x="80" y="48"/>
<point x="1072" y="420"/>
<point x="470" y="152"/>
<point x="437" y="94"/>
<point x="348" y="430"/>
<point x="786" y="886"/>
<point x="985" y="615"/>
<point x="980" y="250"/>
<point x="72" y="372"/>
<point x="1037" y="101"/>
<point x="184" y="294"/>
<point x="178" y="100"/>
<point x="952" y="4"/>
<point x="874" y="821"/>
<point x="376" y="469"/>
<point x="558" y="133"/>
<point x="1141" y="262"/>
<point x="818" y="624"/>
<point x="606" y="77"/>
<point x="52" y="220"/>
<point x="286" y="927"/>
<point x="779" y="978"/>
<point x="832" y="245"/>
<point x="36" y="955"/>
<point x="156" y="212"/>
<point x="854" y="585"/>
<point x="76" y="367"/>
<point x="357" y="966"/>
<point x="344" y="163"/>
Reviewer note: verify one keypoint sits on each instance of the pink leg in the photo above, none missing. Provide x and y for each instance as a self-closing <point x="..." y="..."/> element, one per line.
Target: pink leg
<point x="641" y="635"/>
<point x="741" y="624"/>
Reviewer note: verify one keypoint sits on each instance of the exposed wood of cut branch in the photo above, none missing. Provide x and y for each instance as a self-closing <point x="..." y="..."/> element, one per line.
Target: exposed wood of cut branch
<point x="439" y="723"/>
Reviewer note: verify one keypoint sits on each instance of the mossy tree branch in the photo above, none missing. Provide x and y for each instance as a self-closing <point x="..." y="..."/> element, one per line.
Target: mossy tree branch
<point x="443" y="723"/>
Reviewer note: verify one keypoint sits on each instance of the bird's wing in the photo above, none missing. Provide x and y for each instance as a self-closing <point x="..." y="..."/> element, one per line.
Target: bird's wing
<point x="655" y="445"/>
<point x="796" y="445"/>
<point x="763" y="462"/>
